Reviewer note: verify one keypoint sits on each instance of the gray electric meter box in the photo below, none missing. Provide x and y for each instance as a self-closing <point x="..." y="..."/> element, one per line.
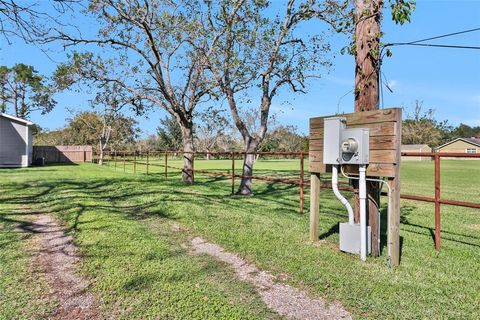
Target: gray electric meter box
<point x="349" y="235"/>
<point x="342" y="145"/>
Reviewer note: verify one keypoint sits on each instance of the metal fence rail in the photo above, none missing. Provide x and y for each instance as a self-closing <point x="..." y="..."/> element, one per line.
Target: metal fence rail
<point x="437" y="199"/>
<point x="120" y="158"/>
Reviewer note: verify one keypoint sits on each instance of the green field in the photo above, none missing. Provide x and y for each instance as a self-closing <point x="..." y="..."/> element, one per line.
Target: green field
<point x="141" y="269"/>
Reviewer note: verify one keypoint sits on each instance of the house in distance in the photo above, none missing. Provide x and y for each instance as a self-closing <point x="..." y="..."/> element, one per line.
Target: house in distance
<point x="461" y="145"/>
<point x="416" y="148"/>
<point x="16" y="145"/>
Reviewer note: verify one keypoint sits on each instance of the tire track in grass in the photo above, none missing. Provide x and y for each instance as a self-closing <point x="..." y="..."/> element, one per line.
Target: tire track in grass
<point x="56" y="255"/>
<point x="283" y="299"/>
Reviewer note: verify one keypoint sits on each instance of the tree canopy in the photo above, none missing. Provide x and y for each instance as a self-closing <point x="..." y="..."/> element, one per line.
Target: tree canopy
<point x="23" y="90"/>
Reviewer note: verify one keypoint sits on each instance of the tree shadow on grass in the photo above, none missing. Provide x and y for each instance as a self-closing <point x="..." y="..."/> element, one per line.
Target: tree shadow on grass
<point x="144" y="196"/>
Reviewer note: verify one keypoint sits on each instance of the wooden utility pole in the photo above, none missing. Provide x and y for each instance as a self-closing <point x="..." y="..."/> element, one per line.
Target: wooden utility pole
<point x="367" y="59"/>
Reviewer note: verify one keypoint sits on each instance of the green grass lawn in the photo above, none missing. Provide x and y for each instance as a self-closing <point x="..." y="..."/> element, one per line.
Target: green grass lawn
<point x="140" y="268"/>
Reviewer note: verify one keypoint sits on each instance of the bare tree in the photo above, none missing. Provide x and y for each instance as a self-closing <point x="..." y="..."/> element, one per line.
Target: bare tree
<point x="252" y="53"/>
<point x="112" y="99"/>
<point x="210" y="129"/>
<point x="155" y="57"/>
<point x="30" y="21"/>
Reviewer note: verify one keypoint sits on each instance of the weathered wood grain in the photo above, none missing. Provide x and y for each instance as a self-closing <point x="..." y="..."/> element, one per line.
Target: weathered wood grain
<point x="376" y="143"/>
<point x="314" y="205"/>
<point x="384" y="126"/>
<point x="367" y="117"/>
<point x="376" y="129"/>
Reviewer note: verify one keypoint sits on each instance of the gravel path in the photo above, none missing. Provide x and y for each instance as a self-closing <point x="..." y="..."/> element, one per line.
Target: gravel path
<point x="56" y="255"/>
<point x="285" y="300"/>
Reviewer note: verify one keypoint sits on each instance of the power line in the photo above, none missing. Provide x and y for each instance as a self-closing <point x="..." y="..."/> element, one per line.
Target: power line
<point x="445" y="35"/>
<point x="417" y="42"/>
<point x="435" y="45"/>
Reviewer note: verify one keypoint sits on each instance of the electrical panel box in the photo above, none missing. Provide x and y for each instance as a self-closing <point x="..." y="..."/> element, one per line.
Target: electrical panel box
<point x="332" y="130"/>
<point x="344" y="146"/>
<point x="349" y="236"/>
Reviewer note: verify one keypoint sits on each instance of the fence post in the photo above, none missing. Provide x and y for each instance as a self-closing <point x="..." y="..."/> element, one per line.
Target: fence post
<point x="134" y="162"/>
<point x="437" y="202"/>
<point x="115" y="160"/>
<point x="301" y="181"/>
<point x="314" y="205"/>
<point x="233" y="172"/>
<point x="124" y="161"/>
<point x="147" y="160"/>
<point x="166" y="162"/>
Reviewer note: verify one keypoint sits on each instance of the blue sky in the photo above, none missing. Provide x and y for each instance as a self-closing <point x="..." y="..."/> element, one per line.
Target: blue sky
<point x="447" y="80"/>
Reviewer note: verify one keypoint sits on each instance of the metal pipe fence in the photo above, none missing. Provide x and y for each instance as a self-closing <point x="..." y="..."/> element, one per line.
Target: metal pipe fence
<point x="145" y="158"/>
<point x="232" y="156"/>
<point x="437" y="199"/>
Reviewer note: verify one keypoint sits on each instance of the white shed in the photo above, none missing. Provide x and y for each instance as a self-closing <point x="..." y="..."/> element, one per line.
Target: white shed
<point x="15" y="141"/>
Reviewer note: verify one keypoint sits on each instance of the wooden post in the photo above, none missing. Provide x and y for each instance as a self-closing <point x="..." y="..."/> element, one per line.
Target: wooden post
<point x="115" y="160"/>
<point x="124" y="155"/>
<point x="134" y="162"/>
<point x="301" y="181"/>
<point x="437" y="202"/>
<point x="233" y="172"/>
<point x="147" y="161"/>
<point x="166" y="162"/>
<point x="393" y="238"/>
<point x="314" y="205"/>
<point x="393" y="241"/>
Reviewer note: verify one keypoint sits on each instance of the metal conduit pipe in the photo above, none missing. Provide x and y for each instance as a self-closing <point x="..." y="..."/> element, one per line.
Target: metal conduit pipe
<point x="339" y="196"/>
<point x="362" y="195"/>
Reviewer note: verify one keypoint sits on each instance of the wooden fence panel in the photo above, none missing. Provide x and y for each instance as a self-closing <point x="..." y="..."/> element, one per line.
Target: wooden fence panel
<point x="63" y="154"/>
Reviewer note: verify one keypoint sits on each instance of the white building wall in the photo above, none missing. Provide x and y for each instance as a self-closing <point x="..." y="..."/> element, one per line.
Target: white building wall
<point x="14" y="146"/>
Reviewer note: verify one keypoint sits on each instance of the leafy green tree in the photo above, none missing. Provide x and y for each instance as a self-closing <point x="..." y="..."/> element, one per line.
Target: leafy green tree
<point x="102" y="130"/>
<point x="24" y="90"/>
<point x="92" y="128"/>
<point x="169" y="134"/>
<point x="51" y="137"/>
<point x="465" y="131"/>
<point x="284" y="139"/>
<point x="423" y="128"/>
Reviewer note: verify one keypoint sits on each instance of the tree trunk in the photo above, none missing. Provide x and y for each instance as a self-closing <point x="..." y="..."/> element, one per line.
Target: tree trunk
<point x="187" y="172"/>
<point x="247" y="172"/>
<point x="367" y="40"/>
<point x="100" y="156"/>
<point x="15" y="102"/>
